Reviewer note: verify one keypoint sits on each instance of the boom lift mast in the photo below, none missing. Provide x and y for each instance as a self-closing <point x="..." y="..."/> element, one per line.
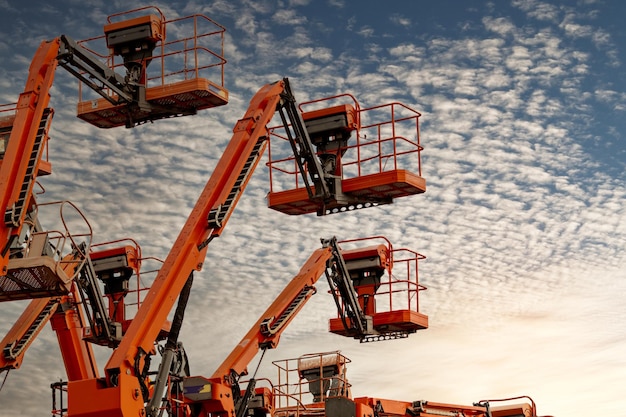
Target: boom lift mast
<point x="76" y="280"/>
<point x="29" y="263"/>
<point x="63" y="282"/>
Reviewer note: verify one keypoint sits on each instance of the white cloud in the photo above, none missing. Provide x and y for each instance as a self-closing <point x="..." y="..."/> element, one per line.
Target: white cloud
<point x="365" y="31"/>
<point x="400" y="20"/>
<point x="523" y="230"/>
<point x="539" y="10"/>
<point x="501" y="25"/>
<point x="288" y="17"/>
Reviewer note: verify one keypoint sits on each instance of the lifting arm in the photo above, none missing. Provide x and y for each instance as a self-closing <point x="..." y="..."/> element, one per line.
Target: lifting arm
<point x="87" y="68"/>
<point x="266" y="332"/>
<point x="24" y="331"/>
<point x="21" y="157"/>
<point x="207" y="220"/>
<point x="394" y="408"/>
<point x="20" y="162"/>
<point x="20" y="165"/>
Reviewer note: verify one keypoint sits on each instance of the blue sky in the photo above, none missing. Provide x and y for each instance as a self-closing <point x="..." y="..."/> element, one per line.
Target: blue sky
<point x="523" y="224"/>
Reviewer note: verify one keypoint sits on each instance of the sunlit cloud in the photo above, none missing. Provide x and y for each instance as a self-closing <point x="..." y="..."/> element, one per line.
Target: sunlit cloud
<point x="523" y="228"/>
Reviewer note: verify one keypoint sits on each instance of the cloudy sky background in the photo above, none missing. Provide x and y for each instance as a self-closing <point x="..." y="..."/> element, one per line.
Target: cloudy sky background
<point x="523" y="222"/>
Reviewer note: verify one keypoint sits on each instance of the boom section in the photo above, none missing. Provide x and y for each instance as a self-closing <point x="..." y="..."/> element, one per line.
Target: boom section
<point x="206" y="221"/>
<point x="304" y="153"/>
<point x="20" y="161"/>
<point x="87" y="68"/>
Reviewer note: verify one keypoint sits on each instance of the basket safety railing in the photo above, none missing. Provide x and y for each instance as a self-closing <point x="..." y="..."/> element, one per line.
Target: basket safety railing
<point x="198" y="55"/>
<point x="387" y="137"/>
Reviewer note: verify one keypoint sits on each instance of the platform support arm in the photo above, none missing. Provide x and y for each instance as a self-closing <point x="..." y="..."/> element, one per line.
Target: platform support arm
<point x="338" y="276"/>
<point x="302" y="146"/>
<point x="87" y="67"/>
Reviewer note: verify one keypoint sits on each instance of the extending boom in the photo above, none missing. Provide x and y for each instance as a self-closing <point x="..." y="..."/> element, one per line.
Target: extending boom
<point x="125" y="370"/>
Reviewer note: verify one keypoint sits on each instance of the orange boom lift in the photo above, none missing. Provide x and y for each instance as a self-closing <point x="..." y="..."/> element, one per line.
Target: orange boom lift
<point x="338" y="157"/>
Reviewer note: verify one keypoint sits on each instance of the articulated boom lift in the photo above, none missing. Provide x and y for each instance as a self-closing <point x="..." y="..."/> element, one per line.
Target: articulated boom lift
<point x="51" y="268"/>
<point x="85" y="290"/>
<point x="220" y="394"/>
<point x="139" y="38"/>
<point x="316" y="385"/>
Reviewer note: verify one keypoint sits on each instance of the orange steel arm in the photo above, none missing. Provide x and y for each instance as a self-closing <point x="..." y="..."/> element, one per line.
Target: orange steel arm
<point x="68" y="324"/>
<point x="189" y="250"/>
<point x="267" y="330"/>
<point x="122" y="392"/>
<point x="19" y="166"/>
<point x="393" y="408"/>
<point x="24" y="331"/>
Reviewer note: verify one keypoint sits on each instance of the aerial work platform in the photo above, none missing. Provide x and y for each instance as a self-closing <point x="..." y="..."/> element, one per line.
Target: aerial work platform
<point x="371" y="156"/>
<point x="186" y="74"/>
<point x="368" y="190"/>
<point x="46" y="264"/>
<point x="387" y="285"/>
<point x="172" y="100"/>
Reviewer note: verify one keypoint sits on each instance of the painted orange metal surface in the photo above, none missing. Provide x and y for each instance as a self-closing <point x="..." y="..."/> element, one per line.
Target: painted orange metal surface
<point x="245" y="350"/>
<point x="186" y="256"/>
<point x="69" y="325"/>
<point x="399" y="320"/>
<point x="387" y="184"/>
<point x="521" y="410"/>
<point x="28" y="115"/>
<point x="92" y="397"/>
